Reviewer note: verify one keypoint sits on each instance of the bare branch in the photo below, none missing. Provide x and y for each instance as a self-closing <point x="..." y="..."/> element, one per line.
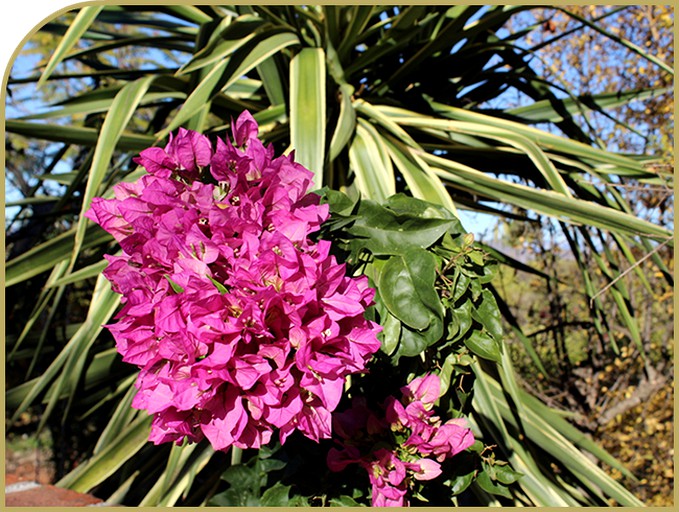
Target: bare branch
<point x="627" y="271"/>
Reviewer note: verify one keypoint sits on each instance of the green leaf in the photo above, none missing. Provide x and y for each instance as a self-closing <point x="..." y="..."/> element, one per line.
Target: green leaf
<point x="407" y="288"/>
<point x="508" y="316"/>
<point x="377" y="116"/>
<point x="65" y="370"/>
<point x="177" y="464"/>
<point x="46" y="255"/>
<point x="391" y="332"/>
<point x="120" y="113"/>
<point x="371" y="164"/>
<point x="505" y="474"/>
<point x="462" y="318"/>
<point x="514" y="263"/>
<point x="346" y="122"/>
<point x="307" y="110"/>
<point x="514" y="138"/>
<point x="227" y="72"/>
<point x="547" y="202"/>
<point x="276" y="496"/>
<point x="224" y="42"/>
<point x="484" y="481"/>
<point x="122" y="417"/>
<point x="422" y="267"/>
<point x="31" y="200"/>
<point x="403" y="204"/>
<point x="385" y="232"/>
<point x="422" y="181"/>
<point x="412" y="343"/>
<point x="358" y="19"/>
<point x="398" y="293"/>
<point x="484" y="345"/>
<point x="222" y="289"/>
<point x="544" y="139"/>
<point x="45" y="297"/>
<point x="175" y="287"/>
<point x="344" y="501"/>
<point x="272" y="82"/>
<point x="190" y="13"/>
<point x="241" y="476"/>
<point x="550" y="110"/>
<point x="487" y="313"/>
<point x="339" y="202"/>
<point x="539" y="431"/>
<point x="460" y="483"/>
<point x="63" y="178"/>
<point x="171" y="43"/>
<point x="103" y="305"/>
<point x="75" y="135"/>
<point x="84" y="273"/>
<point x="76" y="29"/>
<point x="90" y="474"/>
<point x="571" y="433"/>
<point x="185" y="474"/>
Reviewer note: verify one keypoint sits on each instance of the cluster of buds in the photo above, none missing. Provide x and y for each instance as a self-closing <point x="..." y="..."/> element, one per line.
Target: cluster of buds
<point x="418" y="441"/>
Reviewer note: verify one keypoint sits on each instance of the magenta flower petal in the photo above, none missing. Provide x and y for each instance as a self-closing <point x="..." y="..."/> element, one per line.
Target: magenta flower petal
<point x="424" y="389"/>
<point x="425" y="469"/>
<point x="157" y="162"/>
<point x="239" y="322"/>
<point x="227" y="420"/>
<point x="244" y="129"/>
<point x="192" y="150"/>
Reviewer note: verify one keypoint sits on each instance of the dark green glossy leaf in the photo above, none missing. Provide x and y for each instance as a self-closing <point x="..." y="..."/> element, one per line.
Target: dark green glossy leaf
<point x="391" y="332"/>
<point x="407" y="288"/>
<point x="461" y="319"/>
<point x="488" y="314"/>
<point x="339" y="203"/>
<point x="276" y="496"/>
<point x="399" y="295"/>
<point x="412" y="343"/>
<point x="422" y="266"/>
<point x="505" y="474"/>
<point x="461" y="482"/>
<point x="406" y="205"/>
<point x="484" y="481"/>
<point x="462" y="284"/>
<point x="483" y="345"/>
<point x="384" y="232"/>
<point x="344" y="501"/>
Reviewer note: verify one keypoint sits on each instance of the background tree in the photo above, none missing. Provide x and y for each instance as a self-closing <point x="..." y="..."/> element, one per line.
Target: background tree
<point x="607" y="386"/>
<point x="375" y="100"/>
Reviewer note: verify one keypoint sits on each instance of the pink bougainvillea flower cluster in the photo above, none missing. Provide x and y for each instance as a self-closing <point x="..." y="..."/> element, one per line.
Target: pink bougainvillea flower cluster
<point x="239" y="323"/>
<point x="419" y="441"/>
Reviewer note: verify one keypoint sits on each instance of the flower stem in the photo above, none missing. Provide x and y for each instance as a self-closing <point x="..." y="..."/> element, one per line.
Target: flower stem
<point x="236" y="455"/>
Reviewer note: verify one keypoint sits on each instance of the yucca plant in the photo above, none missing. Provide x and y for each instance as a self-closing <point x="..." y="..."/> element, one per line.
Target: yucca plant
<point x="375" y="100"/>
